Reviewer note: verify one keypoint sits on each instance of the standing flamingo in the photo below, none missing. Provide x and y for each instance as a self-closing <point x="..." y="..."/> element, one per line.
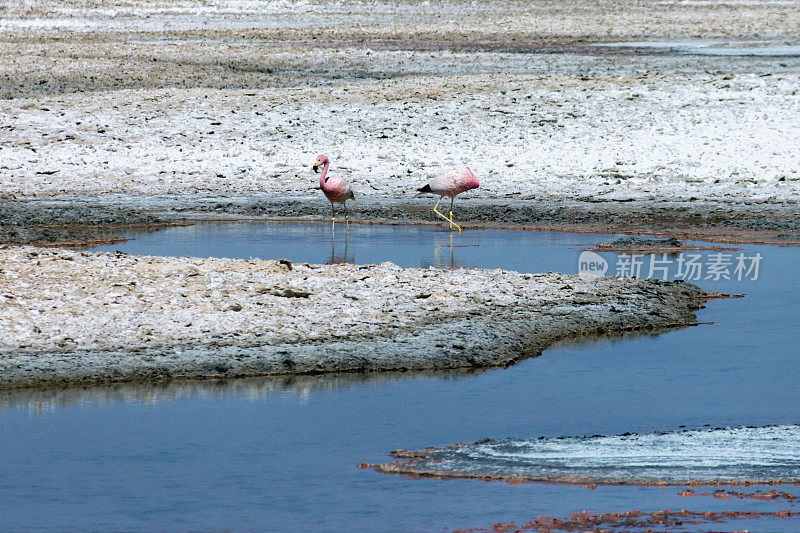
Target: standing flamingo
<point x="336" y="188"/>
<point x="451" y="183"/>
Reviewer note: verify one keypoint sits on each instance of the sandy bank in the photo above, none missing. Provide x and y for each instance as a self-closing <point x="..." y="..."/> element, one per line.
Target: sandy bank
<point x="77" y="317"/>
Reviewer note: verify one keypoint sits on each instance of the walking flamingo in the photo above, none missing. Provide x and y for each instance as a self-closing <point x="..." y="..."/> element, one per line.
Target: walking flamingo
<point x="336" y="188"/>
<point x="451" y="183"/>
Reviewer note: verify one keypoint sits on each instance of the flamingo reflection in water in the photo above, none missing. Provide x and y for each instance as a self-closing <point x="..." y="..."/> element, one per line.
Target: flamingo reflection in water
<point x="341" y="259"/>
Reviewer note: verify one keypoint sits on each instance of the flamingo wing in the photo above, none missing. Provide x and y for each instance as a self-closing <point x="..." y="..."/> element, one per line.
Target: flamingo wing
<point x="445" y="183"/>
<point x="337" y="189"/>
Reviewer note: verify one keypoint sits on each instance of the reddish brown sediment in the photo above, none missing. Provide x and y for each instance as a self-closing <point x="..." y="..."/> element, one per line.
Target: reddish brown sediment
<point x="722" y="494"/>
<point x="409" y="472"/>
<point x="634" y="249"/>
<point x="585" y="520"/>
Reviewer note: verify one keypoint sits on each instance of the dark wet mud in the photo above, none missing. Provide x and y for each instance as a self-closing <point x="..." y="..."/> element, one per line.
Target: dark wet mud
<point x="70" y="221"/>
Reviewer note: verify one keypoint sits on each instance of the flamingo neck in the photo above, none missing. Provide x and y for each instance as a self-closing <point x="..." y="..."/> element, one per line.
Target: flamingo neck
<point x="322" y="178"/>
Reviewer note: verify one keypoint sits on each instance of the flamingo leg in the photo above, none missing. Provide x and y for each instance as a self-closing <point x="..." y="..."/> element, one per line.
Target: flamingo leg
<point x="441" y="215"/>
<point x="346" y="216"/>
<point x="333" y="219"/>
<point x="451" y="214"/>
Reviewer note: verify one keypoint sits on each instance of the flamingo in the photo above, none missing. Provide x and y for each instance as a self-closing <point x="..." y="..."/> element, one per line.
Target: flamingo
<point x="336" y="188"/>
<point x="451" y="183"/>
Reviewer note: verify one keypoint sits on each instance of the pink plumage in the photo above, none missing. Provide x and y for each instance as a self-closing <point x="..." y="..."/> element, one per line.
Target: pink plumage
<point x="451" y="183"/>
<point x="336" y="188"/>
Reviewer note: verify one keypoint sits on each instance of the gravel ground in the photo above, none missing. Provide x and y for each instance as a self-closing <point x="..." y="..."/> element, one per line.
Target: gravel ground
<point x="79" y="317"/>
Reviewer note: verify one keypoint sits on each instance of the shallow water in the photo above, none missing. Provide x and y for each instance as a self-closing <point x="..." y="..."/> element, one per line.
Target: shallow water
<point x="281" y="453"/>
<point x="405" y="245"/>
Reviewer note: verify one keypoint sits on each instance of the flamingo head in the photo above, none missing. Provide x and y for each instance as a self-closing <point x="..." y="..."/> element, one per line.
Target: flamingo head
<point x="472" y="181"/>
<point x="322" y="160"/>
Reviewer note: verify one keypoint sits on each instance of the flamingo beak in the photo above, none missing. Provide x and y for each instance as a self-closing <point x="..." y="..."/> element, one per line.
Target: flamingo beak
<point x="316" y="167"/>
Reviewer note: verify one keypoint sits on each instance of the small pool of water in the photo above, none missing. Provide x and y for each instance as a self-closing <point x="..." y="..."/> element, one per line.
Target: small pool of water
<point x="714" y="47"/>
<point x="407" y="246"/>
<point x="281" y="453"/>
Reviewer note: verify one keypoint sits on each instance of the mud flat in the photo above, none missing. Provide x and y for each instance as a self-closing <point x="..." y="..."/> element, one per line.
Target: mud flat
<point x="571" y="115"/>
<point x="707" y="456"/>
<point x="79" y="318"/>
<point x="75" y="221"/>
<point x="586" y="132"/>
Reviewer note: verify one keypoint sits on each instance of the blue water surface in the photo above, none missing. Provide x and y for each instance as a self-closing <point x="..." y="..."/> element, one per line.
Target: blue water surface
<point x="277" y="455"/>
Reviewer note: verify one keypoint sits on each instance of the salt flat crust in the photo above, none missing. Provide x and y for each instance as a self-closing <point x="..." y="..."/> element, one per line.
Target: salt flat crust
<point x="81" y="317"/>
